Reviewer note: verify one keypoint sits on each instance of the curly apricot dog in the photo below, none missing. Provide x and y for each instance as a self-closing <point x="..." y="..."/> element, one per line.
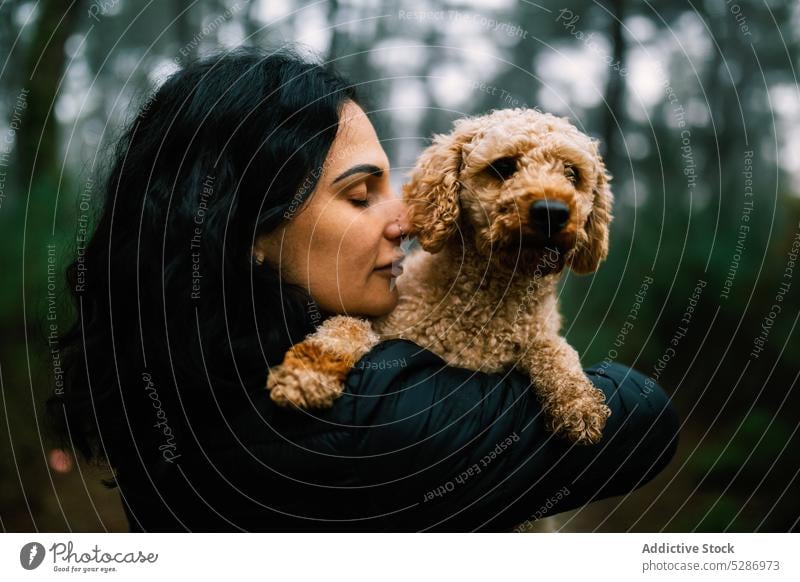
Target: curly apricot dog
<point x="500" y="206"/>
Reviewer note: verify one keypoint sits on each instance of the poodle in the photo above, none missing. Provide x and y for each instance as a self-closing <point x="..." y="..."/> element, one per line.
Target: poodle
<point x="500" y="206"/>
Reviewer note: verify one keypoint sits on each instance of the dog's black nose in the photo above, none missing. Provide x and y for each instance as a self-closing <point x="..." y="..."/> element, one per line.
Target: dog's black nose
<point x="549" y="216"/>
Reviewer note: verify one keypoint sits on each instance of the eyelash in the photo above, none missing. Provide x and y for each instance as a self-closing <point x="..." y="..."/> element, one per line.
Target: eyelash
<point x="359" y="202"/>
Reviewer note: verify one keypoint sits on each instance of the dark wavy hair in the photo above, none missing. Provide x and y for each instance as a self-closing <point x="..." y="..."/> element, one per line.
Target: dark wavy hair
<point x="171" y="308"/>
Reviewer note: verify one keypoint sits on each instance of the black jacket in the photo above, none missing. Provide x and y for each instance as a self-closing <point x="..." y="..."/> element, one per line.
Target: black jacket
<point x="412" y="445"/>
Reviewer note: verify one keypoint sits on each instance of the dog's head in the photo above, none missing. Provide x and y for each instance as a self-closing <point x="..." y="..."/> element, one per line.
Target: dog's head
<point x="516" y="184"/>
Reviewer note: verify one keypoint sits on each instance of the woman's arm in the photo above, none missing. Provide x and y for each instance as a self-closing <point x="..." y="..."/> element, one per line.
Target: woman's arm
<point x="448" y="449"/>
<point x="411" y="445"/>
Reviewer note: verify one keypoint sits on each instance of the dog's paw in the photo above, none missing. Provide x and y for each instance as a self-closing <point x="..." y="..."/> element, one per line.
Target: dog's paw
<point x="582" y="419"/>
<point x="303" y="387"/>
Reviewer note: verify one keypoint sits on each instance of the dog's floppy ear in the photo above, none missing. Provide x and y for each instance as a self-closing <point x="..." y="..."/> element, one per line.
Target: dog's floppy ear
<point x="588" y="255"/>
<point x="432" y="192"/>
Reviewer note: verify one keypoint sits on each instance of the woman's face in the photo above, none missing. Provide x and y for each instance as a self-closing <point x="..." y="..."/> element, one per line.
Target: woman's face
<point x="341" y="245"/>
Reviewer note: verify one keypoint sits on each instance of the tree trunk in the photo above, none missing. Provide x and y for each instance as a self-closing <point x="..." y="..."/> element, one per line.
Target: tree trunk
<point x="615" y="88"/>
<point x="38" y="145"/>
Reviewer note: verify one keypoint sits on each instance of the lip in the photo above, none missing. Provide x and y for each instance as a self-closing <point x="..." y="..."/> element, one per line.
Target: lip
<point x="394" y="270"/>
<point x="396" y="263"/>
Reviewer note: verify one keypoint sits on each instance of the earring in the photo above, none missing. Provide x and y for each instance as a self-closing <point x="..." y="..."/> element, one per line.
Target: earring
<point x="259" y="259"/>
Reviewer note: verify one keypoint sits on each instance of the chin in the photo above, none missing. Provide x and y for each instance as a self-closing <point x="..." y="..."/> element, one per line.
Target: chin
<point x="527" y="254"/>
<point x="546" y="260"/>
<point x="379" y="304"/>
<point x="541" y="259"/>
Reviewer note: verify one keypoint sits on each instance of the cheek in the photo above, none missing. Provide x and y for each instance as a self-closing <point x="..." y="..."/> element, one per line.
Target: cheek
<point x="357" y="249"/>
<point x="320" y="251"/>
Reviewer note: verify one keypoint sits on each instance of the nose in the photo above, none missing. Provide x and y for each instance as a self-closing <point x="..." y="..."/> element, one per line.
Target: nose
<point x="549" y="216"/>
<point x="399" y="225"/>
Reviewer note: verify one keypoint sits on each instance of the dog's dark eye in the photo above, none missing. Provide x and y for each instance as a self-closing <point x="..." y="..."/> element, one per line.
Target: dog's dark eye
<point x="502" y="168"/>
<point x="572" y="174"/>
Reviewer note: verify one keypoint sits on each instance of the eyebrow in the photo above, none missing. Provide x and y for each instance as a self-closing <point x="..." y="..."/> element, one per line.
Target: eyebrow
<point x="360" y="169"/>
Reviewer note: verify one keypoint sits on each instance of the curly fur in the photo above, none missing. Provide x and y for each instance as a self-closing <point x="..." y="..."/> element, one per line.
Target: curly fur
<point x="481" y="292"/>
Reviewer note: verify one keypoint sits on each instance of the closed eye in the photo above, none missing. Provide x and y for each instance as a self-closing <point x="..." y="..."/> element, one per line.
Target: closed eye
<point x="357" y="194"/>
<point x="502" y="168"/>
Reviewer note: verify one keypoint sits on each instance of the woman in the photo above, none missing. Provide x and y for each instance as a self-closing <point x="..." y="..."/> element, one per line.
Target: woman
<point x="249" y="200"/>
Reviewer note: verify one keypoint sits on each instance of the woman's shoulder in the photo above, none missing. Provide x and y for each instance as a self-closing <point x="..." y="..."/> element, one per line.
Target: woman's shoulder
<point x="401" y="389"/>
<point x="397" y="383"/>
<point x="386" y="362"/>
<point x="401" y="361"/>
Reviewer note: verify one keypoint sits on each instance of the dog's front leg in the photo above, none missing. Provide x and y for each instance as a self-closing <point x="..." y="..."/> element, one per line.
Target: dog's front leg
<point x="574" y="407"/>
<point x="313" y="371"/>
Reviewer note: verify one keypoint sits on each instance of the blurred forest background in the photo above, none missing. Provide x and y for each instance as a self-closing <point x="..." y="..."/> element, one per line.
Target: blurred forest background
<point x="698" y="108"/>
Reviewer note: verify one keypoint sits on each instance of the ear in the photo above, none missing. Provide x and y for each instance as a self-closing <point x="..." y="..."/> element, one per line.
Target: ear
<point x="587" y="257"/>
<point x="432" y="192"/>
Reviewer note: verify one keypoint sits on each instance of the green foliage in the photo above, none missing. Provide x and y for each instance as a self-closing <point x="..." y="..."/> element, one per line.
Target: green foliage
<point x="733" y="466"/>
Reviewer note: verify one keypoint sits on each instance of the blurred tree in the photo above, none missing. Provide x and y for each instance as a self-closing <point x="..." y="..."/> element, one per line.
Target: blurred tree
<point x="679" y="199"/>
<point x="38" y="146"/>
